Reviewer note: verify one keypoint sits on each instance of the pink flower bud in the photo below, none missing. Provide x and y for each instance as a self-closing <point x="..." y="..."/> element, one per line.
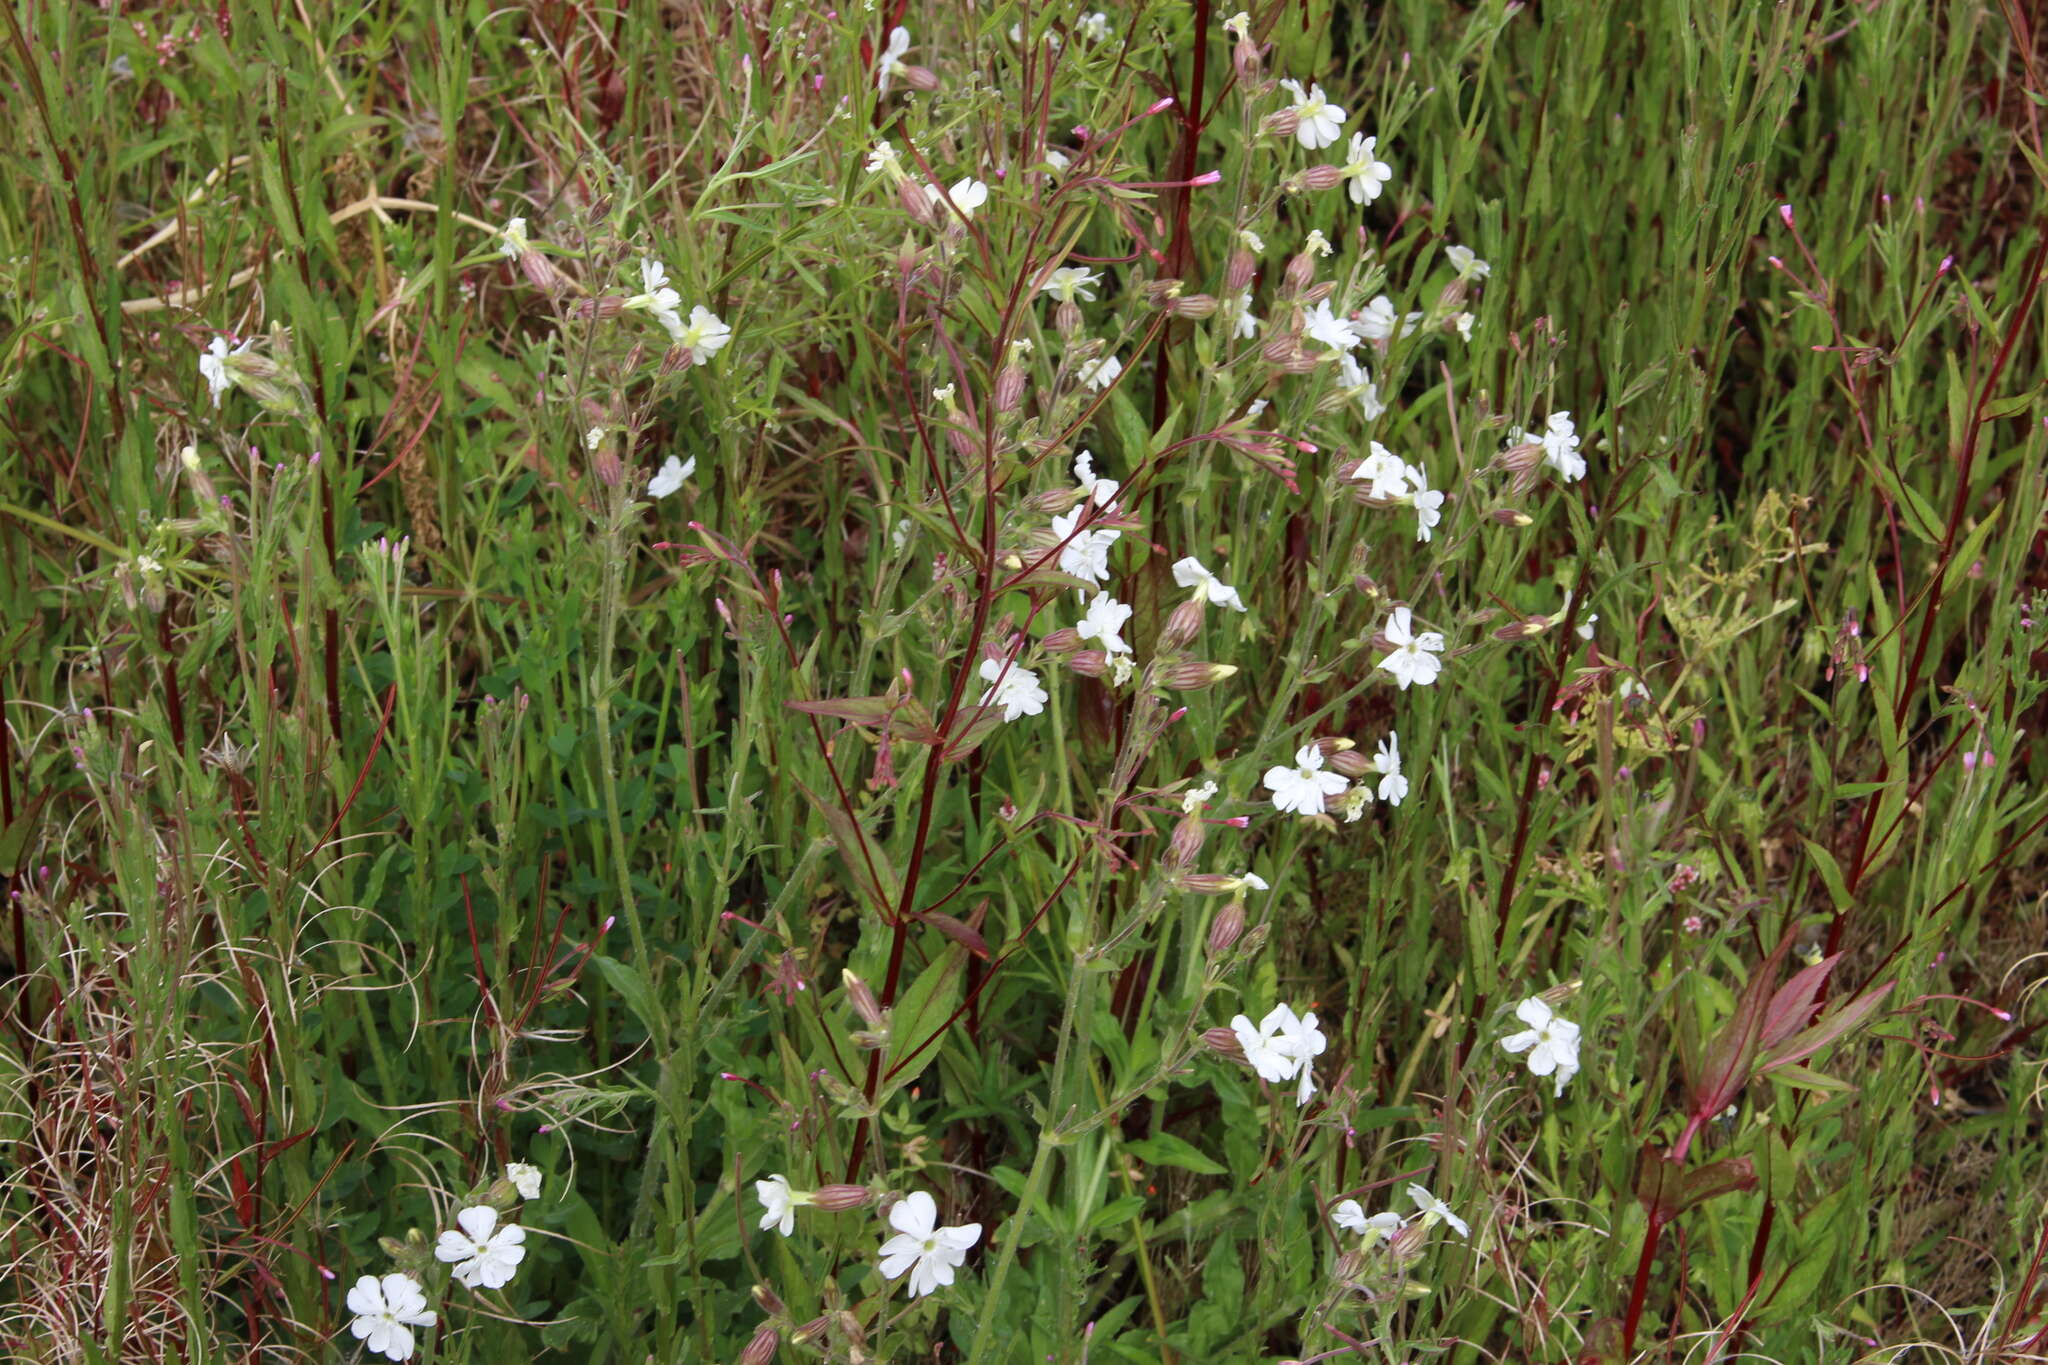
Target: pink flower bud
<point x="1281" y="123"/>
<point x="1321" y="178"/>
<point x="842" y="1198"/>
<point x="1237" y="276"/>
<point x="1223" y="1042"/>
<point x="1186" y="842"/>
<point x="762" y="1348"/>
<point x="1193" y="675"/>
<point x="1225" y="928"/>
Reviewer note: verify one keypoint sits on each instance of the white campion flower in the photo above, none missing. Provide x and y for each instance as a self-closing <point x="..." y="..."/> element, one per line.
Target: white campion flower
<point x="929" y="1252"/>
<point x="1435" y="1210"/>
<point x="1463" y="322"/>
<point x="1254" y="881"/>
<point x="1317" y="243"/>
<point x="670" y="476"/>
<point x="1321" y="324"/>
<point x="658" y="297"/>
<point x="1100" y="373"/>
<point x="1251" y="241"/>
<point x="515" y="243"/>
<point x="1237" y="315"/>
<point x="1381" y="321"/>
<point x="779" y="1203"/>
<point x="704" y="337"/>
<point x="1097" y="489"/>
<point x="1428" y="502"/>
<point x="1104" y="621"/>
<point x="1239" y="26"/>
<point x="1386" y="761"/>
<point x="1084" y="554"/>
<point x="1414" y="657"/>
<point x="967" y="194"/>
<point x="1385" y="473"/>
<point x="1467" y="263"/>
<point x="1283" y="1047"/>
<point x="1551" y="1042"/>
<point x="1071" y="282"/>
<point x="1351" y="805"/>
<point x="1094" y="27"/>
<point x="1560" y="441"/>
<point x="1358" y="384"/>
<point x="525" y="1178"/>
<point x="883" y="160"/>
<point x="1058" y="159"/>
<point x="1318" y="123"/>
<point x="386" y="1310"/>
<point x="1350" y="1216"/>
<point x="1301" y="789"/>
<point x="1191" y="801"/>
<point x="213" y="365"/>
<point x="1189" y="573"/>
<point x="483" y="1252"/>
<point x="1015" y="690"/>
<point x="1364" y="170"/>
<point x="891" y="61"/>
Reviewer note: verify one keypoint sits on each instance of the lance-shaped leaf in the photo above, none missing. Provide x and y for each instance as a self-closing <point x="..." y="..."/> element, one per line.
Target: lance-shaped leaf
<point x="1725" y="1068"/>
<point x="861" y="854"/>
<point x="1792" y="1006"/>
<point x="1732" y="1176"/>
<point x="1833" y="1025"/>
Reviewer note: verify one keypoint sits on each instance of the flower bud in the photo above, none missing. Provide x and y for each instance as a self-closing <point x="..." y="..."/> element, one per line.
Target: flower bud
<point x="841" y="1198"/>
<point x="1300" y="271"/>
<point x="1320" y="178"/>
<point x="1352" y="763"/>
<point x="1238" y="275"/>
<point x="1528" y="628"/>
<point x="1281" y="123"/>
<point x="761" y="1349"/>
<point x="1193" y="675"/>
<point x="769" y="1301"/>
<point x="1223" y="1042"/>
<point x="1186" y="842"/>
<point x="1518" y="458"/>
<point x="599" y="309"/>
<point x="863" y="1000"/>
<point x="1285" y="353"/>
<point x="1251" y="70"/>
<point x="1182" y="624"/>
<point x="1225" y="928"/>
<point x="919" y="78"/>
<point x="914" y="200"/>
<point x="1508" y="516"/>
<point x="607" y="465"/>
<point x="964" y="439"/>
<point x="540" y="272"/>
<point x="1065" y="640"/>
<point x="1193" y="306"/>
<point x="1089" y="663"/>
<point x="1066" y="318"/>
<point x="1159" y="293"/>
<point x="809" y="1332"/>
<point x="1209" y="883"/>
<point x="1009" y="388"/>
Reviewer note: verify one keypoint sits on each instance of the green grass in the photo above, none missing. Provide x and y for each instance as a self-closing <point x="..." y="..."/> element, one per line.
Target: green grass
<point x="661" y="843"/>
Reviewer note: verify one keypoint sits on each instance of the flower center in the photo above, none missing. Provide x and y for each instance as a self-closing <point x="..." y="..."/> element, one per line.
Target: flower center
<point x="931" y="1244"/>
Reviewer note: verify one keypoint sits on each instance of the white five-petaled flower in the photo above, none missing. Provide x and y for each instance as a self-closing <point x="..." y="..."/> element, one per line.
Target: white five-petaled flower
<point x="1071" y="282"/>
<point x="1384" y="473"/>
<point x="1236" y="312"/>
<point x="1428" y="502"/>
<point x="1100" y="373"/>
<point x="1094" y="487"/>
<point x="1434" y="1209"/>
<point x="483" y="1253"/>
<point x="1350" y="1216"/>
<point x="1551" y="1042"/>
<point x="525" y="1178"/>
<point x="1300" y="790"/>
<point x="670" y="476"/>
<point x="1366" y="172"/>
<point x="1463" y="322"/>
<point x="967" y="194"/>
<point x="929" y="1252"/>
<point x="658" y="297"/>
<point x="1094" y="27"/>
<point x="1414" y="657"/>
<point x="779" y="1203"/>
<point x="883" y="160"/>
<point x="1318" y="123"/>
<point x="1189" y="573"/>
<point x="1316" y="243"/>
<point x="515" y="243"/>
<point x="1191" y="801"/>
<point x="1014" y="689"/>
<point x="1321" y="324"/>
<point x="1283" y="1047"/>
<point x="704" y="336"/>
<point x="1467" y="263"/>
<point x="387" y="1308"/>
<point x="1380" y="321"/>
<point x="1358" y="384"/>
<point x="1104" y="621"/>
<point x="1560" y="440"/>
<point x="891" y="60"/>
<point x="1084" y="554"/>
<point x="1387" y="763"/>
<point x="213" y="365"/>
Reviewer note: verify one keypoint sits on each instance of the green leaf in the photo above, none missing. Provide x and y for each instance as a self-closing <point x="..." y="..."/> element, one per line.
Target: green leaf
<point x="1168" y="1150"/>
<point x="1117" y="1212"/>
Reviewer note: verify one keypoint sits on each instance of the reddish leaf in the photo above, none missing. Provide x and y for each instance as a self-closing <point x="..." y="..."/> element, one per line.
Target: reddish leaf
<point x="245" y="1198"/>
<point x="1725" y="1069"/>
<point x="955" y="930"/>
<point x="1793" y="1004"/>
<point x="1833" y="1025"/>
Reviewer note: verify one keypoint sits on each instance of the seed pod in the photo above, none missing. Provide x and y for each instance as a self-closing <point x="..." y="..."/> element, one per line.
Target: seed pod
<point x="1009" y="388"/>
<point x="1089" y="663"/>
<point x="1066" y="318"/>
<point x="919" y="78"/>
<point x="1250" y="68"/>
<point x="1300" y="271"/>
<point x="915" y="201"/>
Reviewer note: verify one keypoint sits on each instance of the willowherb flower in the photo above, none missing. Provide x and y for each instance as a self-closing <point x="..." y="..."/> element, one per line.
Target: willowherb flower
<point x="1071" y="282"/>
<point x="1283" y="1047"/>
<point x="1320" y="122"/>
<point x="1435" y="1210"/>
<point x="670" y="476"/>
<point x="1350" y="1216"/>
<point x="703" y="337"/>
<point x="1301" y="789"/>
<point x="1084" y="554"/>
<point x="386" y="1310"/>
<point x="1387" y="763"/>
<point x="1321" y="324"/>
<point x="967" y="194"/>
<point x="525" y="1178"/>
<point x="1358" y="384"/>
<point x="1414" y="657"/>
<point x="1467" y="263"/>
<point x="929" y="1252"/>
<point x="1189" y="573"/>
<point x="1379" y="320"/>
<point x="1100" y="373"/>
<point x="891" y="64"/>
<point x="1366" y="172"/>
<point x="513" y="243"/>
<point x="484" y="1253"/>
<point x="1551" y="1042"/>
<point x="779" y="1203"/>
<point x="1015" y="690"/>
<point x="1104" y="621"/>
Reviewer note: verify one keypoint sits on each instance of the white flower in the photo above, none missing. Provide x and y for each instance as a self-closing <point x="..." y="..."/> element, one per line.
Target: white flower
<point x="1463" y="322"/>
<point x="1099" y="374"/>
<point x="213" y="365"/>
<point x="1385" y="472"/>
<point x="1251" y="241"/>
<point x="891" y="60"/>
<point x="883" y="159"/>
<point x="1097" y="489"/>
<point x="1428" y="502"/>
<point x="1350" y="1216"/>
<point x="1358" y="384"/>
<point x="387" y="1309"/>
<point x="705" y="336"/>
<point x="1094" y="27"/>
<point x="147" y="565"/>
<point x="1057" y="159"/>
<point x="1379" y="321"/>
<point x="1283" y="1047"/>
<point x="483" y="1253"/>
<point x="1317" y="243"/>
<point x="1071" y="282"/>
<point x="1414" y="657"/>
<point x="1104" y="621"/>
<point x="1084" y="554"/>
<point x="1301" y="788"/>
<point x="779" y="1203"/>
<point x="1237" y="315"/>
<point x="593" y="438"/>
<point x="658" y="298"/>
<point x="1191" y="801"/>
<point x="1434" y="1209"/>
<point x="1387" y="763"/>
<point x="1552" y="1043"/>
<point x="1560" y="441"/>
<point x="515" y="243"/>
<point x="1121" y="670"/>
<point x="525" y="1178"/>
<point x="1254" y="881"/>
<point x="920" y="1246"/>
<point x="1319" y="122"/>
<point x="1189" y="573"/>
<point x="1322" y="325"/>
<point x="1239" y="26"/>
<point x="1016" y="690"/>
<point x="967" y="194"/>
<point x="1467" y="263"/>
<point x="1366" y="172"/>
<point x="670" y="476"/>
<point x="1351" y="805"/>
